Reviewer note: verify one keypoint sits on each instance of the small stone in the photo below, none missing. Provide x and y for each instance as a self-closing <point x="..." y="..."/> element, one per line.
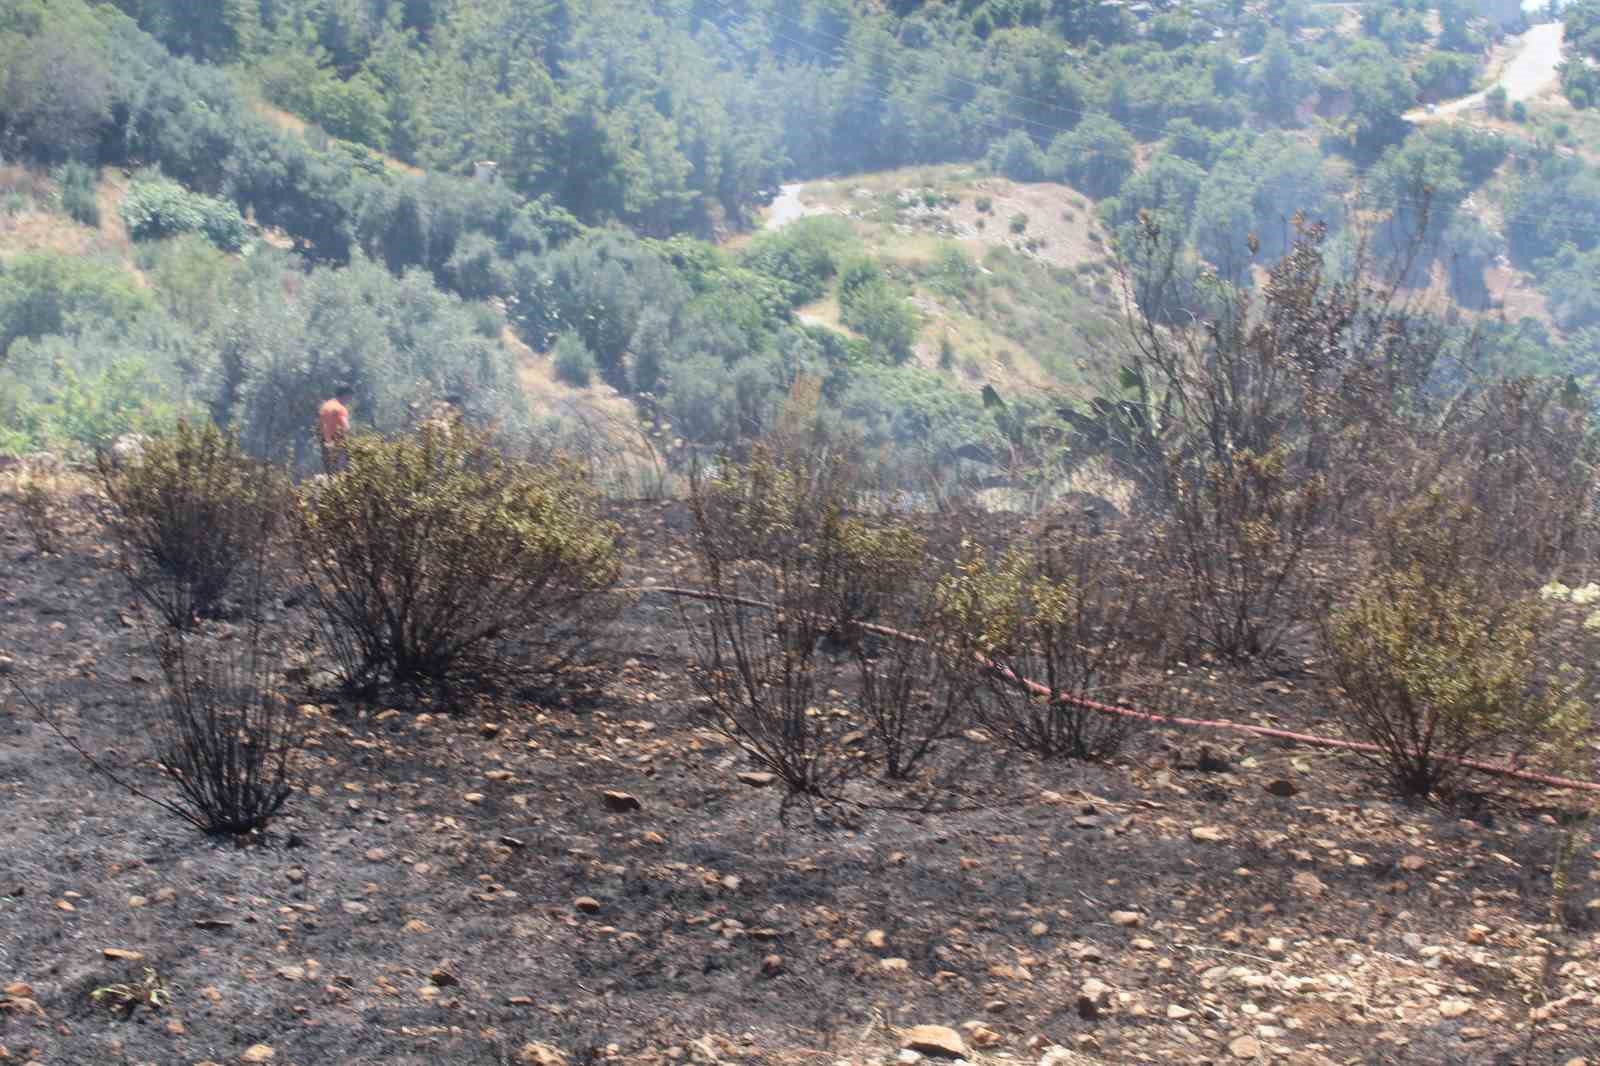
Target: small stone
<point x="1276" y="946"/>
<point x="1413" y="863"/>
<point x="981" y="1035"/>
<point x="1282" y="788"/>
<point x="416" y="925"/>
<point x="1039" y="929"/>
<point x="1454" y="1008"/>
<point x="541" y="1055"/>
<point x="772" y="966"/>
<point x="295" y="875"/>
<point x="137" y="901"/>
<point x="376" y="854"/>
<point x="473" y="798"/>
<point x="444" y="975"/>
<point x="1308" y="883"/>
<point x="489" y="729"/>
<point x="758" y="778"/>
<point x="620" y="802"/>
<point x="122" y="954"/>
<point x="1478" y="934"/>
<point x="258" y="1053"/>
<point x="1206" y="834"/>
<point x="587" y="904"/>
<point x="1092" y="998"/>
<point x="1176" y="1013"/>
<point x="1142" y="943"/>
<point x="894" y="966"/>
<point x="876" y="939"/>
<point x="18" y="990"/>
<point x="1244" y="1047"/>
<point x="1126" y="918"/>
<point x="215" y="925"/>
<point x="353" y="906"/>
<point x="939" y="1040"/>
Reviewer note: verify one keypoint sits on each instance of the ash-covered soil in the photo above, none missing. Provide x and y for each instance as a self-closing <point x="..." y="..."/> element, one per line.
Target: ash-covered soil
<point x="418" y="900"/>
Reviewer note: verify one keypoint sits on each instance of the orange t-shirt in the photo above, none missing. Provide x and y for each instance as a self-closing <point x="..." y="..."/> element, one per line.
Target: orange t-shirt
<point x="335" y="419"/>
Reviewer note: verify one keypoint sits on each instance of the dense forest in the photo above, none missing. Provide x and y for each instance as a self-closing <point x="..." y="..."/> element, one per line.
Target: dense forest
<point x="297" y="187"/>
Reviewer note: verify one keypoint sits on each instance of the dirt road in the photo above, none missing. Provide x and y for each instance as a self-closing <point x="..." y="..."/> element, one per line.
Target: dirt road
<point x="1531" y="70"/>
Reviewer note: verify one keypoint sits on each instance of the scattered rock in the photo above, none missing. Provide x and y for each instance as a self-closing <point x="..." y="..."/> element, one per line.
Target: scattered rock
<point x="122" y="954"/>
<point x="1176" y="1013"/>
<point x="1413" y="863"/>
<point x="1127" y="919"/>
<point x="1308" y="883"/>
<point x="938" y="1040"/>
<point x="541" y="1055"/>
<point x="1282" y="788"/>
<point x="1206" y="834"/>
<point x="620" y="802"/>
<point x="876" y="939"/>
<point x="444" y="975"/>
<point x="1454" y="1008"/>
<point x="894" y="966"/>
<point x="1276" y="946"/>
<point x="258" y="1053"/>
<point x="215" y="924"/>
<point x="1092" y="998"/>
<point x="758" y="778"/>
<point x="587" y="904"/>
<point x="772" y="966"/>
<point x="376" y="854"/>
<point x="1244" y="1047"/>
<point x="473" y="798"/>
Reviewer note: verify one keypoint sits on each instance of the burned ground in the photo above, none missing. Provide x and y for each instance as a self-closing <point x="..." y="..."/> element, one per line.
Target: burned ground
<point x="418" y="900"/>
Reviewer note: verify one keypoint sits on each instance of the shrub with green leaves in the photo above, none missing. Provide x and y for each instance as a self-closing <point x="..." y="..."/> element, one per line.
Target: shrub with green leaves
<point x="157" y="207"/>
<point x="572" y="360"/>
<point x="78" y="184"/>
<point x="187" y="514"/>
<point x="434" y="558"/>
<point x="1436" y="660"/>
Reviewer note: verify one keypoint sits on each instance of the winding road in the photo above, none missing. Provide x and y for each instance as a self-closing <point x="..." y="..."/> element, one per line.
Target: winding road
<point x="1530" y="71"/>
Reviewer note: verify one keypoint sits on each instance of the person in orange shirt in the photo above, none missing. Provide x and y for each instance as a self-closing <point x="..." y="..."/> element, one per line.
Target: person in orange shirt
<point x="334" y="420"/>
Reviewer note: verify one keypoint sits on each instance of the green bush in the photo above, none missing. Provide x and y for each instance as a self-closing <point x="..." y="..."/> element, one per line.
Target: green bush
<point x="1434" y="667"/>
<point x="805" y="254"/>
<point x="573" y="361"/>
<point x="434" y="558"/>
<point x="1019" y="223"/>
<point x="78" y="183"/>
<point x="187" y="513"/>
<point x="156" y="207"/>
<point x="43" y="293"/>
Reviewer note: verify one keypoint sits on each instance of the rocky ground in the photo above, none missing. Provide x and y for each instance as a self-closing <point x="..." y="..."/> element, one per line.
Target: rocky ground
<point x="469" y="887"/>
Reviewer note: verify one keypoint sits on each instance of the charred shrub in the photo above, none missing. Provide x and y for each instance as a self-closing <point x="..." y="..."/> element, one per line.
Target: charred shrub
<point x="915" y="691"/>
<point x="788" y="578"/>
<point x="225" y="733"/>
<point x="36" y="491"/>
<point x="187" y="514"/>
<point x="1069" y="611"/>
<point x="433" y="558"/>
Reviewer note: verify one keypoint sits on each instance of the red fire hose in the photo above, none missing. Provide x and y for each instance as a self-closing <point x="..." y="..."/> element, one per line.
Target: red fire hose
<point x="1308" y="739"/>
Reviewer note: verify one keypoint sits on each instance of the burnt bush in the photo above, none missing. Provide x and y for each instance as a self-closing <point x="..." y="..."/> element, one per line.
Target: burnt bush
<point x="187" y="514"/>
<point x="225" y="733"/>
<point x="788" y="577"/>
<point x="436" y="559"/>
<point x="1073" y="611"/>
<point x="915" y="693"/>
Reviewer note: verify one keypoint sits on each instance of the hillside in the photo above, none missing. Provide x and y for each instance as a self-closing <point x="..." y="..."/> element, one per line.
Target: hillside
<point x="1204" y="897"/>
